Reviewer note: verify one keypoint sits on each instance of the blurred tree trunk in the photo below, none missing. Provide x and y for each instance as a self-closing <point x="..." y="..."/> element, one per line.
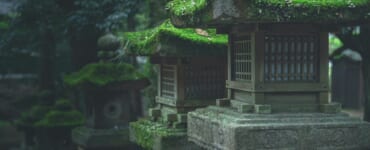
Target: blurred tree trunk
<point x="361" y="44"/>
<point x="366" y="70"/>
<point x="47" y="62"/>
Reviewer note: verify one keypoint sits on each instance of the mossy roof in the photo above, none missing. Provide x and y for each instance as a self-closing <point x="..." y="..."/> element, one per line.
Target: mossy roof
<point x="102" y="74"/>
<point x="60" y="114"/>
<point x="187" y="13"/>
<point x="56" y="118"/>
<point x="167" y="40"/>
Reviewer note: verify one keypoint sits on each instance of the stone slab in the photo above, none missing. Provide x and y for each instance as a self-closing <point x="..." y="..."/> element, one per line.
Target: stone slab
<point x="226" y="129"/>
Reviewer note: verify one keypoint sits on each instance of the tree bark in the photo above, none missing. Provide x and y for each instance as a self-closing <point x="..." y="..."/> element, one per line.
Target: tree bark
<point x="48" y="51"/>
<point x="366" y="75"/>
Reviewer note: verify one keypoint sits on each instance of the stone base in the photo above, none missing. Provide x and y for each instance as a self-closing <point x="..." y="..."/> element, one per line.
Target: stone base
<point x="104" y="139"/>
<point x="226" y="129"/>
<point x="156" y="136"/>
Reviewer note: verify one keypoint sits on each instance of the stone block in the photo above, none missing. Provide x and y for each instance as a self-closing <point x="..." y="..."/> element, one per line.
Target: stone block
<point x="223" y="102"/>
<point x="330" y="108"/>
<point x="294" y="131"/>
<point x="242" y="107"/>
<point x="170" y="118"/>
<point x="262" y="109"/>
<point x="179" y="125"/>
<point x="154" y="112"/>
<point x="182" y="118"/>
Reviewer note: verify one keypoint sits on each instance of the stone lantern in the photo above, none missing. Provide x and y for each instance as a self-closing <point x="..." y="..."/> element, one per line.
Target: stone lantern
<point x="111" y="100"/>
<point x="192" y="73"/>
<point x="277" y="75"/>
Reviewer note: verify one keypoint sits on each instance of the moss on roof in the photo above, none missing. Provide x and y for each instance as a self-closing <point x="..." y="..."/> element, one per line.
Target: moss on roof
<point x="146" y="42"/>
<point x="61" y="113"/>
<point x="101" y="74"/>
<point x="61" y="118"/>
<point x="201" y="12"/>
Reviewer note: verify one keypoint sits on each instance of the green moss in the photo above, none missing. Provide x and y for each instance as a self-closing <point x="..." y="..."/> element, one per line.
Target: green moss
<point x="60" y="114"/>
<point x="191" y="7"/>
<point x="147" y="131"/>
<point x="266" y="11"/>
<point x="4" y="123"/>
<point x="146" y="42"/>
<point x="186" y="7"/>
<point x="4" y="25"/>
<point x="101" y="74"/>
<point x="35" y="114"/>
<point x="61" y="118"/>
<point x="63" y="105"/>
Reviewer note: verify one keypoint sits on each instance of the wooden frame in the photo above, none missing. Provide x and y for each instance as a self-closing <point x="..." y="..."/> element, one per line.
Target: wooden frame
<point x="217" y="66"/>
<point x="313" y="90"/>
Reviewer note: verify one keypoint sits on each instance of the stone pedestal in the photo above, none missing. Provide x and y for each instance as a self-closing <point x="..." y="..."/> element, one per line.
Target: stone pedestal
<point x="102" y="139"/>
<point x="157" y="136"/>
<point x="225" y="129"/>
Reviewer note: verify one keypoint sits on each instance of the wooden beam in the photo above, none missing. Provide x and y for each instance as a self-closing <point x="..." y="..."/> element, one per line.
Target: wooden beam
<point x="277" y="87"/>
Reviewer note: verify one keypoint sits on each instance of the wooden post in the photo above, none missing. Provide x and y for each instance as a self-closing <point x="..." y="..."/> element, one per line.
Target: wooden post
<point x="324" y="60"/>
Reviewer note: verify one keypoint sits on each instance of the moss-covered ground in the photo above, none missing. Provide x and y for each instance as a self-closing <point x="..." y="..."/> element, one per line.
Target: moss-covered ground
<point x="146" y="132"/>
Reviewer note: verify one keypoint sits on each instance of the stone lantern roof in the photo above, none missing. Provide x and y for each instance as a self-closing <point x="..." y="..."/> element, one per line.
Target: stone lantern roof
<point x="195" y="13"/>
<point x="166" y="40"/>
<point x="107" y="76"/>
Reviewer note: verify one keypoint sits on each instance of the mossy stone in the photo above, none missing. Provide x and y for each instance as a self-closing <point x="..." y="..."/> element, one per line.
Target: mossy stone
<point x="153" y="41"/>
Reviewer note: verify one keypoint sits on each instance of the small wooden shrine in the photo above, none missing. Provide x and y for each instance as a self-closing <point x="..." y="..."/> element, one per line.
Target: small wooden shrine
<point x="192" y="73"/>
<point x="277" y="74"/>
<point x="110" y="95"/>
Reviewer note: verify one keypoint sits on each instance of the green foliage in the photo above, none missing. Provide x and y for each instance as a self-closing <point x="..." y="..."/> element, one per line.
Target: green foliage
<point x="147" y="131"/>
<point x="334" y="44"/>
<point x="4" y="123"/>
<point x="101" y="74"/>
<point x="63" y="105"/>
<point x="150" y="92"/>
<point x="145" y="42"/>
<point x="61" y="118"/>
<point x="105" y="15"/>
<point x="4" y="25"/>
<point x="61" y="113"/>
<point x="30" y="117"/>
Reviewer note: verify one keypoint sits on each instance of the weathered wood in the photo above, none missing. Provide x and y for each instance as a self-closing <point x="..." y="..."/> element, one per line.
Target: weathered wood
<point x="180" y="83"/>
<point x="230" y="68"/>
<point x="258" y="52"/>
<point x="287" y="28"/>
<point x="324" y="60"/>
<point x="277" y="87"/>
<point x="187" y="103"/>
<point x="164" y="60"/>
